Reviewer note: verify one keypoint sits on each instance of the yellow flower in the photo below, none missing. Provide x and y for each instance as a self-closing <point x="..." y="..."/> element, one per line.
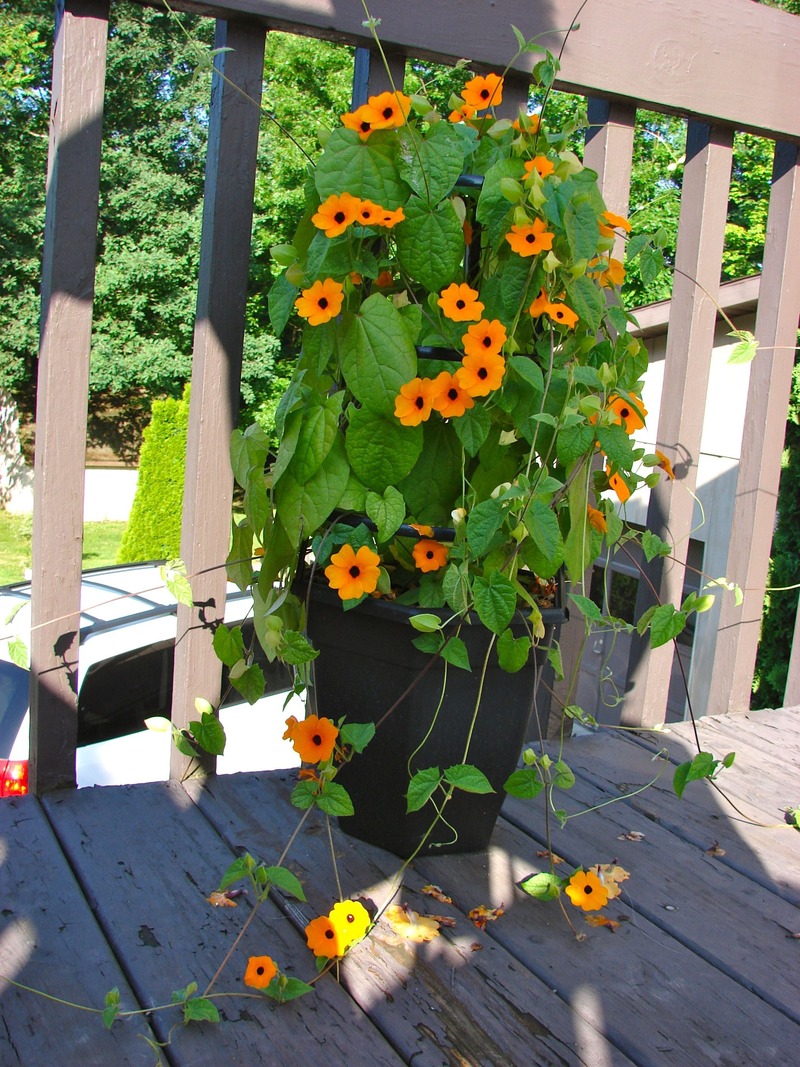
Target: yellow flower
<point x="629" y="411"/>
<point x="387" y="110"/>
<point x="323" y="938"/>
<point x="541" y="164"/>
<point x="488" y="335"/>
<point x="586" y="891"/>
<point x="351" y="920"/>
<point x="260" y="972"/>
<point x="481" y="374"/>
<point x="414" y="402"/>
<point x="615" y="222"/>
<point x="336" y="213"/>
<point x="321" y="303"/>
<point x="429" y="555"/>
<point x="530" y="240"/>
<point x="313" y="738"/>
<point x="353" y="574"/>
<point x="460" y="303"/>
<point x="359" y="120"/>
<point x="597" y="519"/>
<point x="450" y="400"/>
<point x="483" y="92"/>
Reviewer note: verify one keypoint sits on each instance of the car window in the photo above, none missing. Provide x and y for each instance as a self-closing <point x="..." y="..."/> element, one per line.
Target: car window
<point x="13" y="704"/>
<point x="118" y="694"/>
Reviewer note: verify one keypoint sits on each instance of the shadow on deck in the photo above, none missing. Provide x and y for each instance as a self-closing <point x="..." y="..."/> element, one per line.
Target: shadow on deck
<point x="107" y="887"/>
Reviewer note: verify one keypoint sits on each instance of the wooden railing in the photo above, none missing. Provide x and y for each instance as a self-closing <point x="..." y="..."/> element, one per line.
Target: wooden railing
<point x="726" y="65"/>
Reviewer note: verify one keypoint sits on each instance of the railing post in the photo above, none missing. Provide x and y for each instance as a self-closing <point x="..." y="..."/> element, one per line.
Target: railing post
<point x="68" y="269"/>
<point x="216" y="373"/>
<point x="690" y="342"/>
<point x="762" y="441"/>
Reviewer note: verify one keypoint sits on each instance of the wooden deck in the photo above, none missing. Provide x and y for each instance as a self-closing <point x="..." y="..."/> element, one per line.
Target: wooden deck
<point x="107" y="887"/>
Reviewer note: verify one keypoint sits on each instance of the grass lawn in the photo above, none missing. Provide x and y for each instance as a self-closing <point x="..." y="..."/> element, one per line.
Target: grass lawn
<point x="100" y="545"/>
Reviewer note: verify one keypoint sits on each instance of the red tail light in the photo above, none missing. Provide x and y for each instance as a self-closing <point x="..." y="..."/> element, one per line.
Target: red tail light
<point x="13" y="777"/>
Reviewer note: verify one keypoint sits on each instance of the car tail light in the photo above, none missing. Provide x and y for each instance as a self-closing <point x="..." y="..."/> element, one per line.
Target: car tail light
<point x="13" y="777"/>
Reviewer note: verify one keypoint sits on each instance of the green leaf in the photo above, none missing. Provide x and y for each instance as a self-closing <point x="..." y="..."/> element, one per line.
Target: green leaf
<point x="544" y="886"/>
<point x="542" y="524"/>
<point x="421" y="788"/>
<point x="586" y="300"/>
<point x="495" y="601"/>
<point x="653" y="546"/>
<point x="665" y="624"/>
<point x="574" y="441"/>
<point x="456" y="587"/>
<point x="366" y="169"/>
<point x="580" y="223"/>
<point x="745" y="350"/>
<point x="483" y="523"/>
<point x="702" y="766"/>
<point x="377" y="354"/>
<point x="180" y="995"/>
<point x="304" y="795"/>
<point x="296" y="649"/>
<point x="430" y="243"/>
<point x="561" y="776"/>
<point x="304" y="508"/>
<point x="381" y="450"/>
<point x="455" y="653"/>
<point x="512" y="652"/>
<point x="183" y="743"/>
<point x="111" y="1009"/>
<point x="318" y="429"/>
<point x="587" y="607"/>
<point x="209" y="733"/>
<point x="18" y="652"/>
<point x="357" y="734"/>
<point x="283" y="988"/>
<point x="173" y="575"/>
<point x="280" y="303"/>
<point x="387" y="511"/>
<point x="250" y="683"/>
<point x="239" y="564"/>
<point x="228" y="644"/>
<point x="283" y="879"/>
<point x="425" y="623"/>
<point x="467" y="777"/>
<point x="616" y="444"/>
<point x="334" y="799"/>
<point x="524" y="783"/>
<point x="435" y="480"/>
<point x="200" y="1009"/>
<point x="432" y="164"/>
<point x="472" y="428"/>
<point x="239" y="869"/>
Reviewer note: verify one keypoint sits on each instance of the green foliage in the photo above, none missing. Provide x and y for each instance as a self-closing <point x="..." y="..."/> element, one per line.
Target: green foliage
<point x="154" y="528"/>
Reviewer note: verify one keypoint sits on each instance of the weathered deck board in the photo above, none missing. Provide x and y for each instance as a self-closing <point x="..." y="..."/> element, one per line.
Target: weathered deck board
<point x="108" y="887"/>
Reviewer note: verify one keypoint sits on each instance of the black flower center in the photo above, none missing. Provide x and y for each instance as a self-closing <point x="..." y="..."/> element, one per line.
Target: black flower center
<point x="429" y="554"/>
<point x="322" y="303"/>
<point x="388" y="112"/>
<point x="485" y="94"/>
<point x="329" y="934"/>
<point x="530" y="238"/>
<point x="354" y="571"/>
<point x="452" y="394"/>
<point x="624" y="412"/>
<point x="316" y="740"/>
<point x="339" y="217"/>
<point x="461" y="304"/>
<point x="365" y="127"/>
<point x="483" y="373"/>
<point x="351" y="918"/>
<point x="259" y="970"/>
<point x="587" y="890"/>
<point x="487" y="342"/>
<point x="419" y="403"/>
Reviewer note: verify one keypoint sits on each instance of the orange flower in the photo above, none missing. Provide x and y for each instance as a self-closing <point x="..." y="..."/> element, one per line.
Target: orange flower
<point x="353" y="574"/>
<point x="481" y="374"/>
<point x="368" y="213"/>
<point x="665" y="465"/>
<point x="336" y="213"/>
<point x="629" y="411"/>
<point x="429" y="555"/>
<point x="483" y="92"/>
<point x="597" y="519"/>
<point x="414" y="402"/>
<point x="530" y="240"/>
<point x="360" y="120"/>
<point x="260" y="972"/>
<point x="562" y="314"/>
<point x="321" y="303"/>
<point x="388" y="218"/>
<point x="463" y="113"/>
<point x="614" y="222"/>
<point x="540" y="305"/>
<point x="450" y="400"/>
<point x="423" y="531"/>
<point x="541" y="164"/>
<point x="323" y="938"/>
<point x="460" y="303"/>
<point x="350" y="919"/>
<point x="387" y="110"/>
<point x="619" y="485"/>
<point x="610" y="271"/>
<point x="488" y="335"/>
<point x="313" y="738"/>
<point x="384" y="280"/>
<point x="527" y="124"/>
<point x="585" y="890"/>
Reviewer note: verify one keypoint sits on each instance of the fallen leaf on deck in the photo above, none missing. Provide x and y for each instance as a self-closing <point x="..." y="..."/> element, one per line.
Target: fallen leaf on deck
<point x="600" y="920"/>
<point x="631" y="835"/>
<point x="442" y="920"/>
<point x="437" y="893"/>
<point x="715" y="850"/>
<point x="476" y="947"/>
<point x="221" y="900"/>
<point x="545" y="855"/>
<point x="611" y="874"/>
<point x="410" y="925"/>
<point x="481" y="915"/>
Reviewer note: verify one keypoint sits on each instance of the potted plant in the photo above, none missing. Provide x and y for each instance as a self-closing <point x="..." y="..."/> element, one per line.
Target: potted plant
<point x="462" y="404"/>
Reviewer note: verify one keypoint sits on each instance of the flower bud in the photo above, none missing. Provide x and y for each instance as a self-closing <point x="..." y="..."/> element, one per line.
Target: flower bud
<point x="295" y="274"/>
<point x="511" y="190"/>
<point x="284" y="255"/>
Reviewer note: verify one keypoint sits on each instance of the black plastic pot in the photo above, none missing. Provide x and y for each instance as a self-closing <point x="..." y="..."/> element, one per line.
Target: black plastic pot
<point x="367" y="663"/>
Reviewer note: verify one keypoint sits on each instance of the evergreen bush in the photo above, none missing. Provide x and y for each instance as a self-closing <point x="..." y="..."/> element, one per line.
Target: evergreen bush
<point x="154" y="528"/>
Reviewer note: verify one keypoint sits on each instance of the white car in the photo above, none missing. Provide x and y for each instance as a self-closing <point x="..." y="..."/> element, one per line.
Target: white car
<point x="125" y="666"/>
